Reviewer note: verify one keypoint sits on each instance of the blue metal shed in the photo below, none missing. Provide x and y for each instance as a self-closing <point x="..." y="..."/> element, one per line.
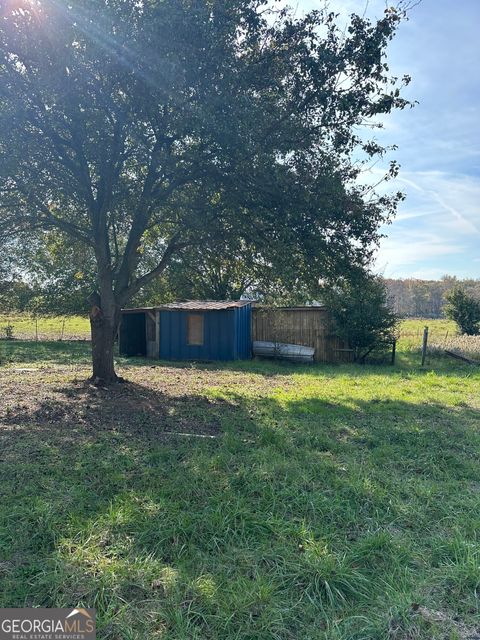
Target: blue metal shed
<point x="194" y="330"/>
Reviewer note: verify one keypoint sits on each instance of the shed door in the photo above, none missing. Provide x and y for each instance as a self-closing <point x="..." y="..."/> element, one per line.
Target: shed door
<point x="151" y="331"/>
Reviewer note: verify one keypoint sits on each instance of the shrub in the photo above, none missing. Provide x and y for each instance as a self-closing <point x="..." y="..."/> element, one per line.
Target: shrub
<point x="361" y="313"/>
<point x="464" y="310"/>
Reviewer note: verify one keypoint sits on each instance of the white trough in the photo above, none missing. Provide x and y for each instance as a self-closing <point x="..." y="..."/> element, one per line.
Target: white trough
<point x="295" y="352"/>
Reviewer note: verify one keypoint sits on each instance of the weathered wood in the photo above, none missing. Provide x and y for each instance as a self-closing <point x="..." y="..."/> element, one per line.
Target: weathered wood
<point x="307" y="326"/>
<point x="151" y="334"/>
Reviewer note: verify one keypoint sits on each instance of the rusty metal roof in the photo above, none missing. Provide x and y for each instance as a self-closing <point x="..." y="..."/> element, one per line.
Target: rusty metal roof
<point x="195" y="305"/>
<point x="205" y="305"/>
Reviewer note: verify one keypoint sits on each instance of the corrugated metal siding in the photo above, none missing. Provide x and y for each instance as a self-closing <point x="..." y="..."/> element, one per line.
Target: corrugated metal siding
<point x="227" y="334"/>
<point x="219" y="336"/>
<point x="243" y="332"/>
<point x="132" y="340"/>
<point x="311" y="327"/>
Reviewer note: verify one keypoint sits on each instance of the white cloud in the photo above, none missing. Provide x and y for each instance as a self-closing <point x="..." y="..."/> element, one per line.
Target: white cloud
<point x="454" y="197"/>
<point x="406" y="248"/>
<point x="400" y="257"/>
<point x="436" y="226"/>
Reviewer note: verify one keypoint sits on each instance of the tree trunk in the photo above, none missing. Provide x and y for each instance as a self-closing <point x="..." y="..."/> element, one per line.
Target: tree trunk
<point x="104" y="328"/>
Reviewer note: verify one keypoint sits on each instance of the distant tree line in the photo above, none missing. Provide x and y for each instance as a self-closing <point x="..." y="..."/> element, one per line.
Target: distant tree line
<point x="412" y="298"/>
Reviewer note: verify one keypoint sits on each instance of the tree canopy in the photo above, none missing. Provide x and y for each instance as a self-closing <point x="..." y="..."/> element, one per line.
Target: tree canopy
<point x="144" y="131"/>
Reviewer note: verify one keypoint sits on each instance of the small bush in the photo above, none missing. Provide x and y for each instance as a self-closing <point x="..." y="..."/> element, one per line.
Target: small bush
<point x="362" y="314"/>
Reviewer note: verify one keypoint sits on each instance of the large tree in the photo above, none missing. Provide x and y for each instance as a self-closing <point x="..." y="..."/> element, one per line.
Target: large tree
<point x="142" y="129"/>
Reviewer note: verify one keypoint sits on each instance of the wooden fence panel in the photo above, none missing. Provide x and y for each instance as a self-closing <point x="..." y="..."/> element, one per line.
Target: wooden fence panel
<point x="308" y="326"/>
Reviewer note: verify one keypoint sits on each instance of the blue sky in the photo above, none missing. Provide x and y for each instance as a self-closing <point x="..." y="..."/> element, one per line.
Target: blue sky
<point x="437" y="229"/>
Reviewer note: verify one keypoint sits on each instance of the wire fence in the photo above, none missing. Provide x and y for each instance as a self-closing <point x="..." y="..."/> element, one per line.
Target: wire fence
<point x="44" y="328"/>
<point x="439" y="331"/>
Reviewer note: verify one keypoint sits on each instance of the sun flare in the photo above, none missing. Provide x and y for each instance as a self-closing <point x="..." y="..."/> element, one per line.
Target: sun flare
<point x="24" y="6"/>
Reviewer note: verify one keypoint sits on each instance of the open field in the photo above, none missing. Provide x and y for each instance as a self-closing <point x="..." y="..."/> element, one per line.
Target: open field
<point x="439" y="331"/>
<point x="248" y="500"/>
<point x="26" y="327"/>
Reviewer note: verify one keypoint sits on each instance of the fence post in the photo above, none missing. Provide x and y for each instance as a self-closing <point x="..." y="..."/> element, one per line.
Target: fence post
<point x="394" y="348"/>
<point x="424" y="345"/>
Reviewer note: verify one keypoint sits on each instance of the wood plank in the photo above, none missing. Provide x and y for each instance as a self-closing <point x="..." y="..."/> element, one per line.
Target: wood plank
<point x="309" y="327"/>
<point x="150" y="334"/>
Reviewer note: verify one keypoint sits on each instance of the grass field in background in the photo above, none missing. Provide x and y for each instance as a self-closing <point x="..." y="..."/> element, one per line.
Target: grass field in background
<point x="439" y="331"/>
<point x="25" y="327"/>
<point x="248" y="500"/>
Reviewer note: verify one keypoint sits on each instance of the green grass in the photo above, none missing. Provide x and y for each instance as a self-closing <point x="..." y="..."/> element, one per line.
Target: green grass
<point x="249" y="500"/>
<point x="411" y="331"/>
<point x="27" y="352"/>
<point x="26" y="327"/>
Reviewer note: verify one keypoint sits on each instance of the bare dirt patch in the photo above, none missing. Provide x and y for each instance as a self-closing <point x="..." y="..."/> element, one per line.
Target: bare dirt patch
<point x="47" y="403"/>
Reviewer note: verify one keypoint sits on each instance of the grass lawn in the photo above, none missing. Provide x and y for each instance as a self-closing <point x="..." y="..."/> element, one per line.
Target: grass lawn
<point x="248" y="500"/>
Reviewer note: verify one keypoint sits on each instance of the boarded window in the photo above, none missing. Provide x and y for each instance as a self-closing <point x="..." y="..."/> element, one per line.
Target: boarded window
<point x="195" y="329"/>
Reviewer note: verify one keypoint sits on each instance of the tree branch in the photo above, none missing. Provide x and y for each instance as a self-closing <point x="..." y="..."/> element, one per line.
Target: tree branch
<point x="158" y="270"/>
<point x="47" y="218"/>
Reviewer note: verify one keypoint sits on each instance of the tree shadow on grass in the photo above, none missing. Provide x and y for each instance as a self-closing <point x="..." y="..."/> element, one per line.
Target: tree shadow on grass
<point x="195" y="517"/>
<point x="408" y="363"/>
<point x="54" y="352"/>
<point x="81" y="412"/>
<point x="79" y="353"/>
